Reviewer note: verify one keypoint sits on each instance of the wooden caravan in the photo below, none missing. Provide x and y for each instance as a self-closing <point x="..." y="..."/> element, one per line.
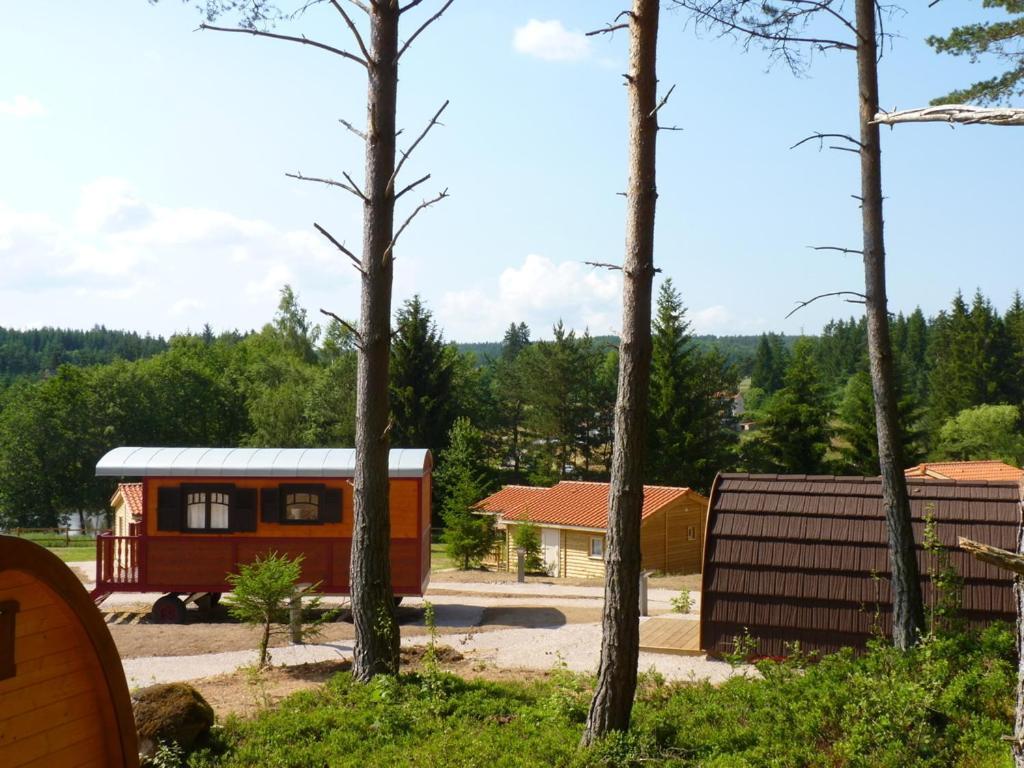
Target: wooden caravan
<point x="206" y="510"/>
<point x="63" y="696"/>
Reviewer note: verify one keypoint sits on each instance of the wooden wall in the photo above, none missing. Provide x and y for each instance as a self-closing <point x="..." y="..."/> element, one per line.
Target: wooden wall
<point x="67" y="701"/>
<point x="665" y="543"/>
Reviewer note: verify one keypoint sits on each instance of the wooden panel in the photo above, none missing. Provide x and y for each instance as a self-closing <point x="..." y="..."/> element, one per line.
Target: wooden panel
<point x="89" y="751"/>
<point x="341" y="563"/>
<point x="193" y="560"/>
<point x="315" y="555"/>
<point x="578" y="562"/>
<point x="81" y="736"/>
<point x="684" y="555"/>
<point x="405" y="572"/>
<point x="679" y="636"/>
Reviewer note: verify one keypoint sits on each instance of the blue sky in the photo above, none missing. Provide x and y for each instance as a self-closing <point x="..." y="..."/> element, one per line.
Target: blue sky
<point x="142" y="178"/>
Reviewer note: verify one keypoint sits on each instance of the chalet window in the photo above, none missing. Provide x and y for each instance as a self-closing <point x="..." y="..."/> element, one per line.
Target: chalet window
<point x="8" y="610"/>
<point x="597" y="547"/>
<point x="301" y="506"/>
<point x="691" y="533"/>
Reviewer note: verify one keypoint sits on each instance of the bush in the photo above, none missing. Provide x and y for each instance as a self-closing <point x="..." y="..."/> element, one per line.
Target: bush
<point x="526" y="536"/>
<point x="261" y="594"/>
<point x="682" y="603"/>
<point x="170" y="719"/>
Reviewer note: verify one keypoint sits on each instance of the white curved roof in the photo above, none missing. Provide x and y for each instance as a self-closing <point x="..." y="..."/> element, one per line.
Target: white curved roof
<point x="251" y="462"/>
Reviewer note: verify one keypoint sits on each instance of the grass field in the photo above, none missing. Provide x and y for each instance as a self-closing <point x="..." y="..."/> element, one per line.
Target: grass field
<point x="71" y="549"/>
<point x="439" y="558"/>
<point x="75" y="554"/>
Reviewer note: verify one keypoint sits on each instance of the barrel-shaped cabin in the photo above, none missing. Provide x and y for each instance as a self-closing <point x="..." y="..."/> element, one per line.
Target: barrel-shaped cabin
<point x="204" y="511"/>
<point x="63" y="696"/>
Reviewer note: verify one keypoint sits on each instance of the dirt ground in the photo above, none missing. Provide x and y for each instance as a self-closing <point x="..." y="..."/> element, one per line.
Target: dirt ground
<point x="216" y="631"/>
<point x="245" y="693"/>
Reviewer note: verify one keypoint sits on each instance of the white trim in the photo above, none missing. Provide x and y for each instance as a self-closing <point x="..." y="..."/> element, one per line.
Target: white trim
<point x="590" y="548"/>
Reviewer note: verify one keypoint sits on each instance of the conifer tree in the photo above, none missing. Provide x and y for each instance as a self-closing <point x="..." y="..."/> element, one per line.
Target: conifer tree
<point x="510" y="391"/>
<point x="796" y="429"/>
<point x="770" y="363"/>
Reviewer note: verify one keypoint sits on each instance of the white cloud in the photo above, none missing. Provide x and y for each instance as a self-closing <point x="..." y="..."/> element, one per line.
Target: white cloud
<point x="22" y="107"/>
<point x="551" y="41"/>
<point x="715" y="319"/>
<point x="126" y="262"/>
<point x="538" y="292"/>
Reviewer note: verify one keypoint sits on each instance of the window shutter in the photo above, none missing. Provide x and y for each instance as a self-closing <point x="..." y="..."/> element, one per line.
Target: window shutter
<point x="243" y="511"/>
<point x="270" y="506"/>
<point x="332" y="506"/>
<point x="169" y="509"/>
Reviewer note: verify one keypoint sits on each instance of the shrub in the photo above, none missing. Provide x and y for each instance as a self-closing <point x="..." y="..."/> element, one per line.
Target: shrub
<point x="682" y="603"/>
<point x="526" y="536"/>
<point x="260" y="597"/>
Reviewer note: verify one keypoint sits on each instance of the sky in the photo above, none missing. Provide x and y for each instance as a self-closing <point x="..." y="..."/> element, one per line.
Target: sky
<point x="143" y="187"/>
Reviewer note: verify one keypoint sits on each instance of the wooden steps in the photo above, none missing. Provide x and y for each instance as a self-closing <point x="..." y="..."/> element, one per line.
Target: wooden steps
<point x="671" y="635"/>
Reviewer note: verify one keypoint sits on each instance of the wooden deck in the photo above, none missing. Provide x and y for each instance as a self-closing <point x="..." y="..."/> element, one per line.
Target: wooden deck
<point x="670" y="635"/>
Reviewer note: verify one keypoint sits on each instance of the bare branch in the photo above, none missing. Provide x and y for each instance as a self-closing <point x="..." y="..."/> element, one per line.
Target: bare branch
<point x="607" y="29"/>
<point x="423" y="26"/>
<point x="801" y="304"/>
<point x="412" y="186"/>
<point x="821" y="140"/>
<point x="290" y="38"/>
<point x="409" y="6"/>
<point x="422" y="206"/>
<point x="331" y="183"/>
<point x="352" y="27"/>
<point x="664" y="100"/>
<point x="845" y="251"/>
<point x="344" y="324"/>
<point x="603" y="265"/>
<point x="352" y="128"/>
<point x="341" y="247"/>
<point x="355" y="186"/>
<point x="1002" y="558"/>
<point x="406" y="153"/>
<point x="965" y="114"/>
<point x="669" y="128"/>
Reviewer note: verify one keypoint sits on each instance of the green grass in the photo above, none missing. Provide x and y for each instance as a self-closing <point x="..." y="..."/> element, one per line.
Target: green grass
<point x="439" y="557"/>
<point x="75" y="554"/>
<point x="944" y="705"/>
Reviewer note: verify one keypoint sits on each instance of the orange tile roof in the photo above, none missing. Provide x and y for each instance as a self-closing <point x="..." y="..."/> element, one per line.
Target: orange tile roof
<point x="966" y="470"/>
<point x="571" y="503"/>
<point x="132" y="495"/>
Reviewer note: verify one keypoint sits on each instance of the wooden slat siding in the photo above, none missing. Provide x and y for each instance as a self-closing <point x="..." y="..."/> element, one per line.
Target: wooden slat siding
<point x="654" y="541"/>
<point x="578" y="563"/>
<point x="681" y="554"/>
<point x="798" y="559"/>
<point x="56" y="710"/>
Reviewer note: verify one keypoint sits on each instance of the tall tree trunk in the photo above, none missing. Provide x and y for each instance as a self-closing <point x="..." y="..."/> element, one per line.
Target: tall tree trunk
<point x="1017" y="746"/>
<point x="908" y="608"/>
<point x="373" y="609"/>
<point x="612" y="704"/>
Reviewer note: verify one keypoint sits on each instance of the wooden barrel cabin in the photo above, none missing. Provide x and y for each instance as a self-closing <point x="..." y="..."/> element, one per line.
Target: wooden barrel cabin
<point x="63" y="696"/>
<point x="206" y="510"/>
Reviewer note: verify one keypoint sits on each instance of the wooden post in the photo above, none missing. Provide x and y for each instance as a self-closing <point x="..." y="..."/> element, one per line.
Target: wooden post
<point x="295" y="613"/>
<point x="643" y="592"/>
<point x="520" y="565"/>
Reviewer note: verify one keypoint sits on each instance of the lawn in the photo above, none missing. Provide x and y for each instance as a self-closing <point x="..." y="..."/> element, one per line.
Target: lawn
<point x="439" y="557"/>
<point x="75" y="554"/>
<point x="947" y="704"/>
<point x="71" y="549"/>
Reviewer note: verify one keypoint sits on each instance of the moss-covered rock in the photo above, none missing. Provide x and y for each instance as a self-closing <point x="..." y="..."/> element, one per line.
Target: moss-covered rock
<point x="170" y="712"/>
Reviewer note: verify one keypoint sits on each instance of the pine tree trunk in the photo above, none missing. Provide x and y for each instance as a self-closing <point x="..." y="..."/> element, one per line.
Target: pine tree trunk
<point x="612" y="704"/>
<point x="1017" y="747"/>
<point x="908" y="610"/>
<point x="373" y="610"/>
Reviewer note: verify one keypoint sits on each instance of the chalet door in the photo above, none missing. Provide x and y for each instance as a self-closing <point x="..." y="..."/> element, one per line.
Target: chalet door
<point x="550" y="539"/>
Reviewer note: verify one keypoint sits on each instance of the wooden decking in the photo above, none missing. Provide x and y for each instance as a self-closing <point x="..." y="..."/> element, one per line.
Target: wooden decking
<point x="670" y="635"/>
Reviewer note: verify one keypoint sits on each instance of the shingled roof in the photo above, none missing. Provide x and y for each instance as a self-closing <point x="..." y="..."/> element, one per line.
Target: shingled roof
<point x="967" y="470"/>
<point x="805" y="559"/>
<point x="571" y="503"/>
<point x="132" y="495"/>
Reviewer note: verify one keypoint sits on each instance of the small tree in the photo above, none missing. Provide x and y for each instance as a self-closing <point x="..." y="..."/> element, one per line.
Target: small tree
<point x="527" y="538"/>
<point x="261" y="592"/>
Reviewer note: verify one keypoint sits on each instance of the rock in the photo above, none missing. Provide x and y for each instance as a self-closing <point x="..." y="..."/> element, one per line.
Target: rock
<point x="170" y="712"/>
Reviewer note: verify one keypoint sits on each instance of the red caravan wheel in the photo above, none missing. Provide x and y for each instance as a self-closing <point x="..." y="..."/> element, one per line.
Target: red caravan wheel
<point x="168" y="610"/>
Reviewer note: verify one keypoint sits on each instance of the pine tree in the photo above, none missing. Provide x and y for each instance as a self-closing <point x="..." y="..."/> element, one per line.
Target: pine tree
<point x="510" y="392"/>
<point x="796" y="429"/>
<point x="770" y="363"/>
<point x="690" y="438"/>
<point x="463" y="478"/>
<point x="422" y="374"/>
<point x="1004" y="39"/>
<point x="859" y="433"/>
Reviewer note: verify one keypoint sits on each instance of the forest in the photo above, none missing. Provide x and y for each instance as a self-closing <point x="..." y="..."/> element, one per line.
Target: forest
<point x="520" y="411"/>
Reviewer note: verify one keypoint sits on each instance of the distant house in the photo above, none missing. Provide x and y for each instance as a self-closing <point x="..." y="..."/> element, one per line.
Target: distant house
<point x="966" y="470"/>
<point x="127" y="505"/>
<point x="805" y="559"/>
<point x="573" y="519"/>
